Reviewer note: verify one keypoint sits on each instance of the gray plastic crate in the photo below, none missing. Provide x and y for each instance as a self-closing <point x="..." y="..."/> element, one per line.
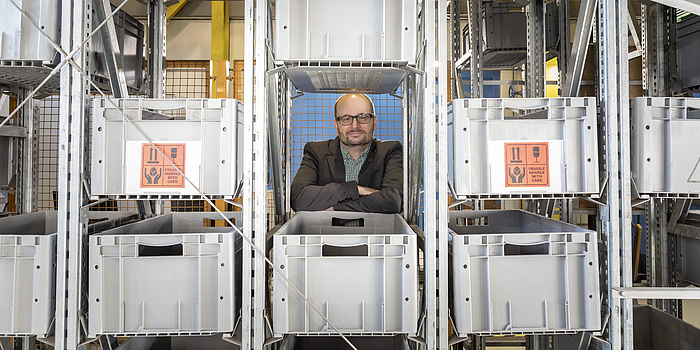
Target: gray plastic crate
<point x="27" y="272"/>
<point x="361" y="30"/>
<point x="27" y="57"/>
<point x="688" y="36"/>
<point x="519" y="273"/>
<point x="665" y="146"/>
<point x="167" y="275"/>
<point x="523" y="147"/>
<point x="363" y="278"/>
<point x="343" y="46"/>
<point x="204" y="140"/>
<point x="21" y="40"/>
<point x="655" y="329"/>
<point x="131" y="35"/>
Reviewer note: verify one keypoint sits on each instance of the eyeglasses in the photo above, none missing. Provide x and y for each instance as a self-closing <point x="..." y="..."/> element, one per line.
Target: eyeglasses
<point x="362" y="118"/>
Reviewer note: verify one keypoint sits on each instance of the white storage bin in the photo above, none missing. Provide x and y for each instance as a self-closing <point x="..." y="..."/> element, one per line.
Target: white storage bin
<point x="20" y="39"/>
<point x="519" y="273"/>
<point x="27" y="56"/>
<point x="363" y="278"/>
<point x="360" y="30"/>
<point x="666" y="146"/>
<point x="344" y="46"/>
<point x="204" y="141"/>
<point x="548" y="149"/>
<point x="164" y="276"/>
<point x="28" y="274"/>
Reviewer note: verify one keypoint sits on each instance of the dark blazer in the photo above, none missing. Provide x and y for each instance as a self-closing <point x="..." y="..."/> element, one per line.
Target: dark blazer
<point x="320" y="180"/>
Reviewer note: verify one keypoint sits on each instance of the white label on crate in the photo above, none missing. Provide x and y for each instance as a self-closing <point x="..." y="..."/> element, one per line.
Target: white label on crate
<point x="148" y="172"/>
<point x="526" y="166"/>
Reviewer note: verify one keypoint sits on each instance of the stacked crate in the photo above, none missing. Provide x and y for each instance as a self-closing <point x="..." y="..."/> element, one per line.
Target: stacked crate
<point x="173" y="274"/>
<point x="513" y="272"/>
<point x="360" y="270"/>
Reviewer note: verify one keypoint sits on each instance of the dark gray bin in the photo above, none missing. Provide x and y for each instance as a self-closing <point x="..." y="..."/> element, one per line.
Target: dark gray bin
<point x="655" y="329"/>
<point x="688" y="46"/>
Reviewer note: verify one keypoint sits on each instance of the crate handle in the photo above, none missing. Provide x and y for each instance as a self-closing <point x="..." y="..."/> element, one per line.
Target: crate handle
<point x="353" y="250"/>
<point x="359" y="222"/>
<point x="527" y="104"/>
<point x="162" y="250"/>
<point x="526" y="249"/>
<point x="472" y="221"/>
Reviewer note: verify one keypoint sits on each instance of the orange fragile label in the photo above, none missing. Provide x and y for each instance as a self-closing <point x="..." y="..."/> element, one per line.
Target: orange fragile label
<point x="156" y="171"/>
<point x="527" y="164"/>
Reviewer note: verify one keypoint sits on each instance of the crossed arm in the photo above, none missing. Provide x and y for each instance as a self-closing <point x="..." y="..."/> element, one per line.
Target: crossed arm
<point x="308" y="194"/>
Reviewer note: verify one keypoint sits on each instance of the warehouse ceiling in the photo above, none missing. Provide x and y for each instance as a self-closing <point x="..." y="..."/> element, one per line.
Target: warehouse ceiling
<point x="192" y="10"/>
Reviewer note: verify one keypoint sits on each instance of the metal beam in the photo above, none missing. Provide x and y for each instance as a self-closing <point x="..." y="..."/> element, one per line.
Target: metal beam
<point x="536" y="51"/>
<point x="259" y="97"/>
<point x="155" y="70"/>
<point x="616" y="215"/>
<point x="657" y="248"/>
<point x="429" y="181"/>
<point x="579" y="50"/>
<point x="679" y="212"/>
<point x="476" y="49"/>
<point x="220" y="39"/>
<point x="563" y="58"/>
<point x="72" y="157"/>
<point x="634" y="26"/>
<point x="174" y="9"/>
<point x="26" y="157"/>
<point x="156" y="49"/>
<point x="456" y="52"/>
<point x="275" y="106"/>
<point x="442" y="202"/>
<point x="658" y="42"/>
<point x="656" y="293"/>
<point x="114" y="60"/>
<point x="13" y="131"/>
<point x="687" y="231"/>
<point x="249" y="102"/>
<point x="692" y="6"/>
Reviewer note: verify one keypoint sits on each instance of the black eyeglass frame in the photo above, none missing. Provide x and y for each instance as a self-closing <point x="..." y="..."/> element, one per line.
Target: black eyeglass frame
<point x="355" y="117"/>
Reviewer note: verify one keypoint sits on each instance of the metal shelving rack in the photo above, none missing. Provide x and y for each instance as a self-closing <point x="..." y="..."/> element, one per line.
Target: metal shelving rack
<point x="428" y="156"/>
<point x="429" y="119"/>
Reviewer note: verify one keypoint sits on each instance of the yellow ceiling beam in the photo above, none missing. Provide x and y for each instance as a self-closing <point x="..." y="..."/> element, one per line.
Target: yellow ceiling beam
<point x="174" y="9"/>
<point x="219" y="48"/>
<point x="219" y="30"/>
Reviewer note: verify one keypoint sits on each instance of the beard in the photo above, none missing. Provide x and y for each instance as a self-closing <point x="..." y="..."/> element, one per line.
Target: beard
<point x="355" y="140"/>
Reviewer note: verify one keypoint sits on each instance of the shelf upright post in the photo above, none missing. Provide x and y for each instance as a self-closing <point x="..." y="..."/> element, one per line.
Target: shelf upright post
<point x="616" y="216"/>
<point x="71" y="288"/>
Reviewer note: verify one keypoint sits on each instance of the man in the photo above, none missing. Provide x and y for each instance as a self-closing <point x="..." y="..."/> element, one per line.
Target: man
<point x="354" y="171"/>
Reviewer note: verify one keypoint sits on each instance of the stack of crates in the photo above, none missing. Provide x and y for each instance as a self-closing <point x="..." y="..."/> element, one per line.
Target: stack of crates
<point x="360" y="270"/>
<point x="173" y="274"/>
<point x="164" y="276"/>
<point x="513" y="272"/>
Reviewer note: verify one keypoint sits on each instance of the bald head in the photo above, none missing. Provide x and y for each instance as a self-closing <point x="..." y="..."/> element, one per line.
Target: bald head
<point x="353" y="100"/>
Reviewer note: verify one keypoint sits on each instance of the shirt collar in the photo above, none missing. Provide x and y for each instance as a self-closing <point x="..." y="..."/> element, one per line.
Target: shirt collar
<point x="347" y="156"/>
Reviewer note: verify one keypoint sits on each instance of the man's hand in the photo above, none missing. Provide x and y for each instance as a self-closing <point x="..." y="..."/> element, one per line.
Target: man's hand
<point x="329" y="209"/>
<point x="365" y="190"/>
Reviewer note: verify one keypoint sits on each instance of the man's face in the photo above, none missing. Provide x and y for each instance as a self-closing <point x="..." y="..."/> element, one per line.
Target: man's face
<point x="355" y="134"/>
